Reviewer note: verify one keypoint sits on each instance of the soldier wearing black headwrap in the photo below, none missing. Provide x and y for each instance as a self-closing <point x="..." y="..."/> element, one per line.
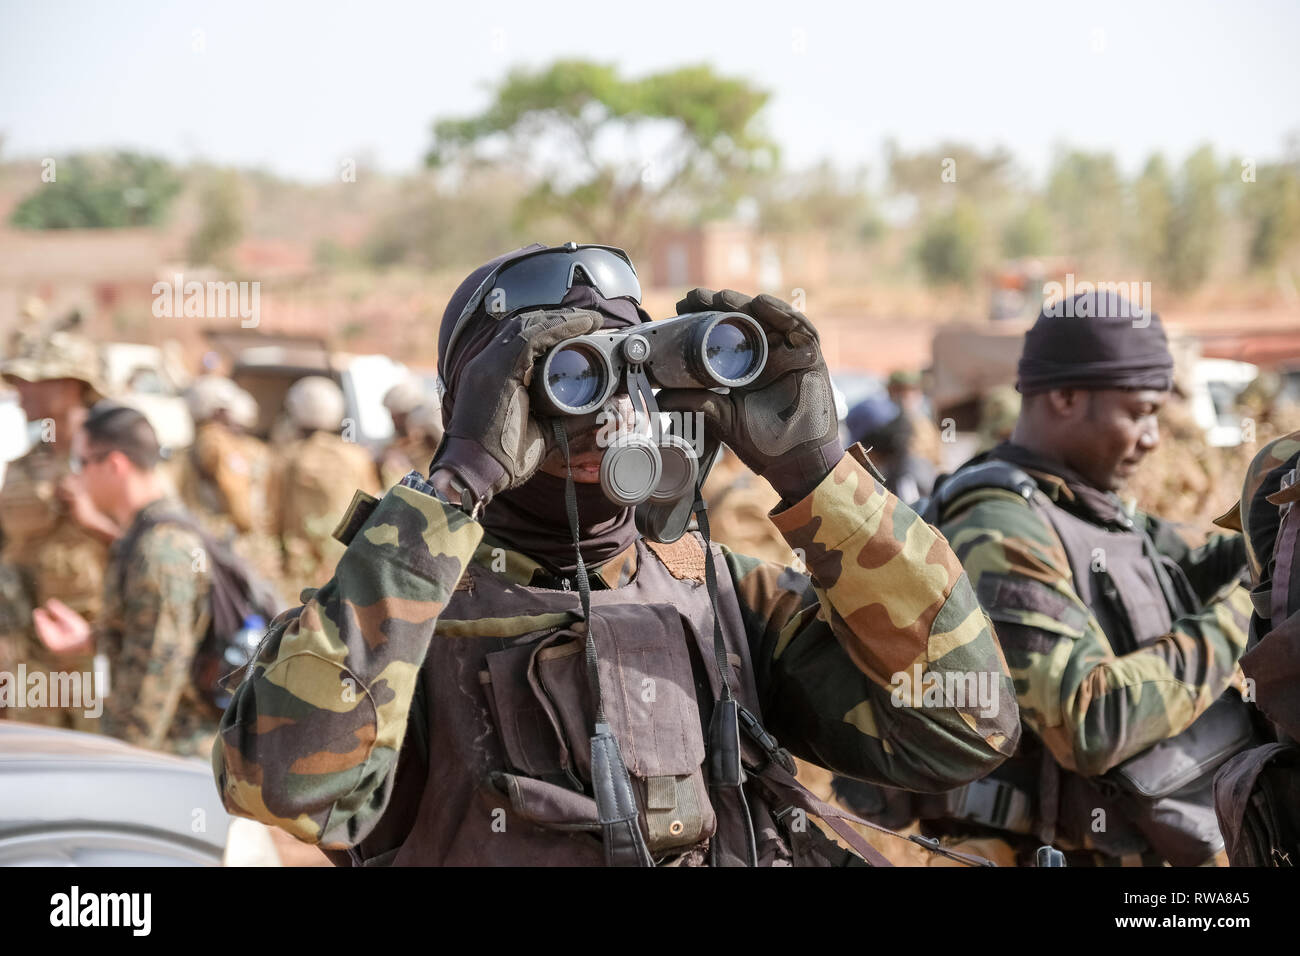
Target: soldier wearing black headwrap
<point x="1123" y="640"/>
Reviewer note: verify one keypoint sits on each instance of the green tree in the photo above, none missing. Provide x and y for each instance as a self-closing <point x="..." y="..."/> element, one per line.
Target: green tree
<point x="1153" y="208"/>
<point x="92" y="191"/>
<point x="222" y="221"/>
<point x="949" y="247"/>
<point x="1272" y="209"/>
<point x="1028" y="232"/>
<point x="435" y="227"/>
<point x="821" y="198"/>
<point x="936" y="177"/>
<point x="1195" y="221"/>
<point x="609" y="154"/>
<point x="1085" y="193"/>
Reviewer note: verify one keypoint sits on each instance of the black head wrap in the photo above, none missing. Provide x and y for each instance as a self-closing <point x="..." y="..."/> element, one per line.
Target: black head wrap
<point x="532" y="517"/>
<point x="1095" y="340"/>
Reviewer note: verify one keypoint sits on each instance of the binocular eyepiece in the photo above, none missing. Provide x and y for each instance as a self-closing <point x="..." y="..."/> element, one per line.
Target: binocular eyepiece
<point x="697" y="350"/>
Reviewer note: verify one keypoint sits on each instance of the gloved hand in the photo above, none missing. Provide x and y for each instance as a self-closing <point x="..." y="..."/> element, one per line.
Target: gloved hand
<point x="782" y="425"/>
<point x="492" y="443"/>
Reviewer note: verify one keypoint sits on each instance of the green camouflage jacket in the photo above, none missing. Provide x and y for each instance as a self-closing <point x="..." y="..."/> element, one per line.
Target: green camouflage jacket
<point x="313" y="734"/>
<point x="1092" y="708"/>
<point x="151" y="630"/>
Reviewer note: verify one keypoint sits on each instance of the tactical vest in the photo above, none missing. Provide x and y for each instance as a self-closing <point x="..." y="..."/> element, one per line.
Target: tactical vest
<point x="1159" y="801"/>
<point x="506" y="722"/>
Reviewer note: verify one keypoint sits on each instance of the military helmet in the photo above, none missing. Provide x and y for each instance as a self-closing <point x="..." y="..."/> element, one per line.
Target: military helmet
<point x="243" y="409"/>
<point x="427" y="418"/>
<point x="210" y="394"/>
<point x="56" y="351"/>
<point x="1255" y="514"/>
<point x="315" y="402"/>
<point x="403" y="398"/>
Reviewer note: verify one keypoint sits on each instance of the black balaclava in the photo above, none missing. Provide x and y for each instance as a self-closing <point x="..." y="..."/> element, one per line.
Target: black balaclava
<point x="532" y="517"/>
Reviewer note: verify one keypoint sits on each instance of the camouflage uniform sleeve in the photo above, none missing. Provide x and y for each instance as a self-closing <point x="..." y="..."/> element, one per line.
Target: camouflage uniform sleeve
<point x="310" y="741"/>
<point x="844" y="653"/>
<point x="164" y="613"/>
<point x="1091" y="708"/>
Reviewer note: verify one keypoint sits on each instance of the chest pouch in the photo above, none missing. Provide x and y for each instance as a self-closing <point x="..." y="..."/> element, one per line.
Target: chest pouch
<point x="545" y="710"/>
<point x="1167" y="790"/>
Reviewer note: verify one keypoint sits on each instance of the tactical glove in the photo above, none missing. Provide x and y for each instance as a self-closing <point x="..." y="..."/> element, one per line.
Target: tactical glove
<point x="492" y="443"/>
<point x="782" y="425"/>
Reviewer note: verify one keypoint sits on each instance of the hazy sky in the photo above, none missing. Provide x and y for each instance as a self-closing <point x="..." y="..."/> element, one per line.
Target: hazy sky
<point x="296" y="87"/>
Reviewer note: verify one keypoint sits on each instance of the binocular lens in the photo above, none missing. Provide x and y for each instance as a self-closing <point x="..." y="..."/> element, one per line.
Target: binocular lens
<point x="575" y="376"/>
<point x="730" y="350"/>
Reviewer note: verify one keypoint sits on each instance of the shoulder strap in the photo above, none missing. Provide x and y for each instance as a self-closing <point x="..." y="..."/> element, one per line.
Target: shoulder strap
<point x="988" y="474"/>
<point x="126" y="547"/>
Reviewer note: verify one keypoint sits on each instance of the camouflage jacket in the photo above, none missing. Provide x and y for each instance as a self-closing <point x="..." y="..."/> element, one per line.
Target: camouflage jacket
<point x="1091" y="707"/>
<point x="884" y="603"/>
<point x="152" y="627"/>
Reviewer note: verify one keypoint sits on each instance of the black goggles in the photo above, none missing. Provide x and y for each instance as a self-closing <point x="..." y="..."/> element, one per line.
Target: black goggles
<point x="542" y="279"/>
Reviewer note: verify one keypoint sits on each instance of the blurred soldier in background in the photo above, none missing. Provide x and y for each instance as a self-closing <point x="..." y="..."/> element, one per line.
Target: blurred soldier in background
<point x="999" y="409"/>
<point x="426" y="422"/>
<point x="224" y="479"/>
<point x="905" y="392"/>
<point x="1267" y="414"/>
<point x="156" y="603"/>
<point x="415" y="437"/>
<point x="313" y="482"/>
<point x="1268" y="409"/>
<point x="887" y="434"/>
<point x="225" y="473"/>
<point x="47" y="553"/>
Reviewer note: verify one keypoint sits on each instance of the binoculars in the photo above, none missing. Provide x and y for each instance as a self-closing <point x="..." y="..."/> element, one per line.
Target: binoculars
<point x="657" y="475"/>
<point x="697" y="350"/>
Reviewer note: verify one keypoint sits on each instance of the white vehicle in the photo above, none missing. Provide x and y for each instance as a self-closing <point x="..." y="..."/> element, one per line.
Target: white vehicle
<point x="267" y="371"/>
<point x="1216" y="383"/>
<point x="141" y="376"/>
